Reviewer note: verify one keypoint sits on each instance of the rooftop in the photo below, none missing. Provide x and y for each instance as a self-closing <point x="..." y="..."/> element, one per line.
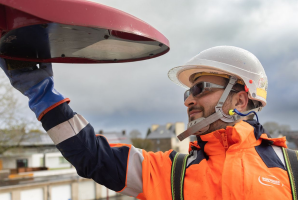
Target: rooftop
<point x="28" y="139"/>
<point x="162" y="132"/>
<point x="116" y="137"/>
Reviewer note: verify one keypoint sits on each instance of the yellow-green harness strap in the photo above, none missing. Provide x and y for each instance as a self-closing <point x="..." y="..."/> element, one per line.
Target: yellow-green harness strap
<point x="177" y="175"/>
<point x="291" y="158"/>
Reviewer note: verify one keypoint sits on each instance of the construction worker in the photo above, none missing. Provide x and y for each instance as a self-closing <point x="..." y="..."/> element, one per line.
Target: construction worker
<point x="233" y="158"/>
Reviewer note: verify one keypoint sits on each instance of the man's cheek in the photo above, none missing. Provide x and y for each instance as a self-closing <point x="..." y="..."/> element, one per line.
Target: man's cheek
<point x="209" y="111"/>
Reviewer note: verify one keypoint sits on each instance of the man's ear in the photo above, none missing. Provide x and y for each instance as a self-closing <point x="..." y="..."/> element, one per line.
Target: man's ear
<point x="240" y="101"/>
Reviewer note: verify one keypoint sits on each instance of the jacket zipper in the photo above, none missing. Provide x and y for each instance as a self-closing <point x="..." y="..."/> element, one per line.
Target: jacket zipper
<point x="224" y="138"/>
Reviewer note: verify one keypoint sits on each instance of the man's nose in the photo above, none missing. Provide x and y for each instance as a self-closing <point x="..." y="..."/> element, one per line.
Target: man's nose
<point x="190" y="101"/>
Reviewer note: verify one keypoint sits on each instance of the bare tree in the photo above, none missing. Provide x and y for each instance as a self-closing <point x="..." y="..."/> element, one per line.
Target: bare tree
<point x="135" y="134"/>
<point x="142" y="143"/>
<point x="274" y="128"/>
<point x="148" y="132"/>
<point x="13" y="127"/>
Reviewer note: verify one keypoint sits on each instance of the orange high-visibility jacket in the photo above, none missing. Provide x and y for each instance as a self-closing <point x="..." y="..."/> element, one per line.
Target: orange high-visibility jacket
<point x="238" y="162"/>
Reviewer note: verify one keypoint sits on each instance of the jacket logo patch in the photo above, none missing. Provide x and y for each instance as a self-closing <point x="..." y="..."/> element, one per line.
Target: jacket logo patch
<point x="271" y="181"/>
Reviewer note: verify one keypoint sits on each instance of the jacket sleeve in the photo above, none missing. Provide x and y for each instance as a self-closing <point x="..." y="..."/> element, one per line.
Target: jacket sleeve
<point x="117" y="166"/>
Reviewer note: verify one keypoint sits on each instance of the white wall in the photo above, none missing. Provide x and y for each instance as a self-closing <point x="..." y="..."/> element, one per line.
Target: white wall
<point x="182" y="145"/>
<point x="52" y="160"/>
<point x="5" y="196"/>
<point x="174" y="143"/>
<point x="34" y="160"/>
<point x="105" y="191"/>
<point x="86" y="190"/>
<point x="61" y="192"/>
<point x="11" y="162"/>
<point x="33" y="194"/>
<point x="8" y="163"/>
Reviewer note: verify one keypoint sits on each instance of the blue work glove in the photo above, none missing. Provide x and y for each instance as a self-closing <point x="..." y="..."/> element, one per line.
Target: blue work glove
<point x="37" y="85"/>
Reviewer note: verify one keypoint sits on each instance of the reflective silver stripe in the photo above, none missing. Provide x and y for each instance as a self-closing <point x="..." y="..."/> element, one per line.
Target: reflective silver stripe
<point x="67" y="129"/>
<point x="134" y="180"/>
<point x="279" y="153"/>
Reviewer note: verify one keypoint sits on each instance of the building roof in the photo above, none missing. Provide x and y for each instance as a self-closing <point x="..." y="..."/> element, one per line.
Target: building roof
<point x="117" y="137"/>
<point x="28" y="139"/>
<point x="162" y="132"/>
<point x="38" y="139"/>
<point x="43" y="139"/>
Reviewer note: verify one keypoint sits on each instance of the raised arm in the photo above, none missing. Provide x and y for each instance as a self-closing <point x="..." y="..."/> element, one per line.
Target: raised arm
<point x="117" y="166"/>
<point x="91" y="155"/>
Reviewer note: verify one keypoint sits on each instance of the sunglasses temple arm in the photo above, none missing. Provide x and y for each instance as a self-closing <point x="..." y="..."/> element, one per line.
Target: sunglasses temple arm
<point x="226" y="92"/>
<point x="212" y="85"/>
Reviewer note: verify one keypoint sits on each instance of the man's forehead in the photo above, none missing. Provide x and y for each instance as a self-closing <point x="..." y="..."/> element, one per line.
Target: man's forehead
<point x="209" y="78"/>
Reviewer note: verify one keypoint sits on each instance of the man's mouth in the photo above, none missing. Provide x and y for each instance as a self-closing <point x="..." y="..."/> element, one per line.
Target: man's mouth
<point x="192" y="113"/>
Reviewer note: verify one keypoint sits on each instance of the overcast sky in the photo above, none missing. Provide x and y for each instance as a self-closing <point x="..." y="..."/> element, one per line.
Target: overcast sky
<point x="136" y="95"/>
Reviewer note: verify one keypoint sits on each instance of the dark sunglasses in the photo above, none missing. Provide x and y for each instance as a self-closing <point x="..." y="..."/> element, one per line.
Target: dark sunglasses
<point x="201" y="87"/>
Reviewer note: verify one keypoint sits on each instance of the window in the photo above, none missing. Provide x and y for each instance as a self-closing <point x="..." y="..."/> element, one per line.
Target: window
<point x="62" y="160"/>
<point x="22" y="163"/>
<point x="157" y="141"/>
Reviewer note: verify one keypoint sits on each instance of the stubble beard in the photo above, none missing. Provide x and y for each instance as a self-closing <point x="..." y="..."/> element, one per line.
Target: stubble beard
<point x="218" y="124"/>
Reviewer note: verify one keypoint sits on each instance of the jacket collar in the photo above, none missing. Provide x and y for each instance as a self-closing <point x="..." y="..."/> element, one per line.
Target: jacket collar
<point x="242" y="135"/>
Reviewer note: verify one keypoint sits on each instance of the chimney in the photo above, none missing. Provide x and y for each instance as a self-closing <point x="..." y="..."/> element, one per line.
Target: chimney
<point x="100" y="131"/>
<point x="154" y="127"/>
<point x="123" y="132"/>
<point x="169" y="125"/>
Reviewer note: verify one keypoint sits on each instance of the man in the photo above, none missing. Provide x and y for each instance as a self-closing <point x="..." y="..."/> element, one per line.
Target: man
<point x="232" y="158"/>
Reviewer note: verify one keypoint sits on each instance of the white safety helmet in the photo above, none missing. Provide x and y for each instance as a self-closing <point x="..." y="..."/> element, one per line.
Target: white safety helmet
<point x="226" y="61"/>
<point x="229" y="60"/>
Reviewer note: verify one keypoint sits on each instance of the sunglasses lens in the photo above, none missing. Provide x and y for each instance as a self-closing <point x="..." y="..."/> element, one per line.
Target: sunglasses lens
<point x="186" y="94"/>
<point x="194" y="90"/>
<point x="197" y="89"/>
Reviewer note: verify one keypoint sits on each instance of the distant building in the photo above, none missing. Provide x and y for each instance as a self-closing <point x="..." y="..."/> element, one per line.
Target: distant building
<point x="52" y="185"/>
<point x="24" y="174"/>
<point x="116" y="137"/>
<point x="38" y="150"/>
<point x="164" y="137"/>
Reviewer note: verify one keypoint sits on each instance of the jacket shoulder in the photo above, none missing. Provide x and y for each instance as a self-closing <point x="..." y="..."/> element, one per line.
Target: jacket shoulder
<point x="271" y="155"/>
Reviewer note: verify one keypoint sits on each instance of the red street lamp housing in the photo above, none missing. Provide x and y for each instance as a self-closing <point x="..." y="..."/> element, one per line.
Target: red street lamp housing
<point x="78" y="31"/>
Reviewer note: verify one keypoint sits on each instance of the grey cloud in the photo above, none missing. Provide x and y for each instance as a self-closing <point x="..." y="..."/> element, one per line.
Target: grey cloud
<point x="138" y="94"/>
<point x="129" y="92"/>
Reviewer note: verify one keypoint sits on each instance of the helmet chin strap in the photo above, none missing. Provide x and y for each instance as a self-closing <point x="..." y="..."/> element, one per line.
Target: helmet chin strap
<point x="202" y="124"/>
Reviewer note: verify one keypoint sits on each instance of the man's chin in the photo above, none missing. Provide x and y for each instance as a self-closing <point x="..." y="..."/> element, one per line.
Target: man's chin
<point x="193" y="118"/>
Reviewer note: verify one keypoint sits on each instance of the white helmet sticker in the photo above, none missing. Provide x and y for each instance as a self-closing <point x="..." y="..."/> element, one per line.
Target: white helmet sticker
<point x="263" y="83"/>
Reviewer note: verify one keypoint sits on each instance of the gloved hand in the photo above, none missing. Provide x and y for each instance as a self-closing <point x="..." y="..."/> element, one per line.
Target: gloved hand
<point x="37" y="85"/>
